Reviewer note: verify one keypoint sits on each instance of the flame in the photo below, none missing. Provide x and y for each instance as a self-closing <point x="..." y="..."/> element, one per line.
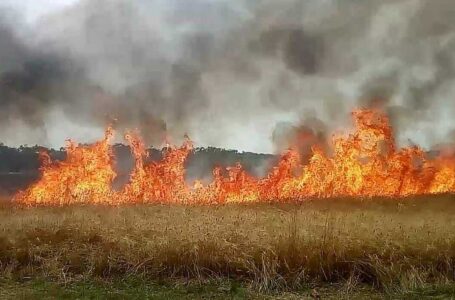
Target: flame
<point x="86" y="175"/>
<point x="364" y="163"/>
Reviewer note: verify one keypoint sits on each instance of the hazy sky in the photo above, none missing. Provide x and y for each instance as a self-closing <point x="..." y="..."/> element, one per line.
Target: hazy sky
<point x="33" y="9"/>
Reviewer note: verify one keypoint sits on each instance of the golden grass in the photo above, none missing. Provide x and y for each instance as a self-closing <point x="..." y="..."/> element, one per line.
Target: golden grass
<point x="390" y="245"/>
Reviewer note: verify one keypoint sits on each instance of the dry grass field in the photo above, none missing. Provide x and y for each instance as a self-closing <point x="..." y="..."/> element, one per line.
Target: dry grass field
<point x="332" y="248"/>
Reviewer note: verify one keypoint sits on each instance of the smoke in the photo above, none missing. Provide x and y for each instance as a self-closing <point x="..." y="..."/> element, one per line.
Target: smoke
<point x="228" y="73"/>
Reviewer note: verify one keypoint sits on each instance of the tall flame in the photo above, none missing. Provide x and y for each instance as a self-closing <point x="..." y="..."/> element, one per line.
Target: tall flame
<point x="365" y="163"/>
<point x="84" y="176"/>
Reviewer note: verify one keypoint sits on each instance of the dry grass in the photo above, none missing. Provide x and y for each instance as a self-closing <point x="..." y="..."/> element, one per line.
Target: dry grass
<point x="388" y="245"/>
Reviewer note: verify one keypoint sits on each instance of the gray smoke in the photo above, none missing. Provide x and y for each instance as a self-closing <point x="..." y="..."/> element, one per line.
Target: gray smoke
<point x="228" y="73"/>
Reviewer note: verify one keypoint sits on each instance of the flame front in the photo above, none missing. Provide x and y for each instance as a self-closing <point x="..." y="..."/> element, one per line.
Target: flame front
<point x="85" y="176"/>
<point x="365" y="163"/>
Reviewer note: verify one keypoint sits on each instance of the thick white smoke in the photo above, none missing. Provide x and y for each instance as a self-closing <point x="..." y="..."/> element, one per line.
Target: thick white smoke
<point x="228" y="73"/>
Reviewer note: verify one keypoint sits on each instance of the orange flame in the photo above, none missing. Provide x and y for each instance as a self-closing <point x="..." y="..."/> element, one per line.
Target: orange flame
<point x="365" y="163"/>
<point x="85" y="176"/>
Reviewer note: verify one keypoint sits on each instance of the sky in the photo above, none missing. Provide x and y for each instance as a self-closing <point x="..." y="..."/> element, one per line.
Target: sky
<point x="34" y="9"/>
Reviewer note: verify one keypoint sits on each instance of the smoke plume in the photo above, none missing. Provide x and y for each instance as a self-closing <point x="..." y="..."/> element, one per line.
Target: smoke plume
<point x="235" y="74"/>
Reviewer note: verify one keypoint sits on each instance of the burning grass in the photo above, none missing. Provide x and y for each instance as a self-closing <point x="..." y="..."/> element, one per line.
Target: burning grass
<point x="363" y="163"/>
<point x="384" y="244"/>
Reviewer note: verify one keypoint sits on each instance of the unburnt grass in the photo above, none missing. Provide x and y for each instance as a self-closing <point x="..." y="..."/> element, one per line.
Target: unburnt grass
<point x="334" y="248"/>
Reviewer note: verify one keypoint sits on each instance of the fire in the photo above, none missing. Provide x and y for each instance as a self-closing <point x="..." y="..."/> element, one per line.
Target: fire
<point x="364" y="163"/>
<point x="85" y="176"/>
